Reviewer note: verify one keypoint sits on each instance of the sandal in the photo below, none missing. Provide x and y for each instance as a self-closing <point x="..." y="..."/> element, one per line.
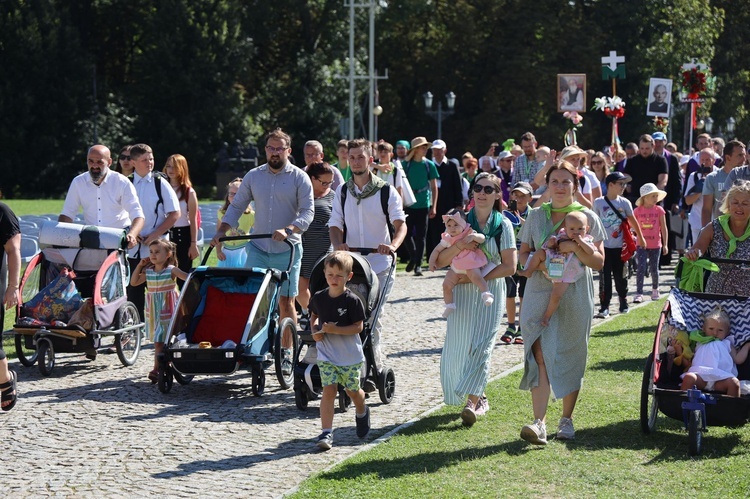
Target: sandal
<point x="508" y="335"/>
<point x="153" y="376"/>
<point x="518" y="339"/>
<point x="9" y="391"/>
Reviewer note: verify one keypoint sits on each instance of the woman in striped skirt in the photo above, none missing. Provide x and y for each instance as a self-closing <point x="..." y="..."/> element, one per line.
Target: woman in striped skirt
<point x="472" y="328"/>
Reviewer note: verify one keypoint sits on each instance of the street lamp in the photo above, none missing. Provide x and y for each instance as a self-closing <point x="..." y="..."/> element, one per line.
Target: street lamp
<point x="709" y="124"/>
<point x="439" y="115"/>
<point x="730" y="127"/>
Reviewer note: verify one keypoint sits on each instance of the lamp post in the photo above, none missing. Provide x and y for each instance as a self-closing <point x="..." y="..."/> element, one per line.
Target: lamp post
<point x="709" y="123"/>
<point x="730" y="127"/>
<point x="440" y="114"/>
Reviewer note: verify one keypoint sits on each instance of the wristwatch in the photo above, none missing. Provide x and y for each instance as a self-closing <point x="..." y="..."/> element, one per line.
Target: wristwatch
<point x="288" y="231"/>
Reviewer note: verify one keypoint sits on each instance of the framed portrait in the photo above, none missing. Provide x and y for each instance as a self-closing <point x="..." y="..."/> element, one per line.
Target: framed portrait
<point x="571" y="93"/>
<point x="659" y="97"/>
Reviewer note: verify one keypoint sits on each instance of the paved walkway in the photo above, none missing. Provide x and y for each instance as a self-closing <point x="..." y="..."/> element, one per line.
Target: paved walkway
<point x="97" y="429"/>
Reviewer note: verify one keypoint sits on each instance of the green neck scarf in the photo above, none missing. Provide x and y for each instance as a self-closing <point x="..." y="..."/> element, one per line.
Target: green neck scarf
<point x="492" y="228"/>
<point x="724" y="222"/>
<point x="373" y="186"/>
<point x="548" y="210"/>
<point x="699" y="336"/>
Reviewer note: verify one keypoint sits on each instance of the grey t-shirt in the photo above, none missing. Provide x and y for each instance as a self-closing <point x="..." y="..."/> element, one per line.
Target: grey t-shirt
<point x="739" y="173"/>
<point x="343" y="310"/>
<point x="610" y="220"/>
<point x="717" y="186"/>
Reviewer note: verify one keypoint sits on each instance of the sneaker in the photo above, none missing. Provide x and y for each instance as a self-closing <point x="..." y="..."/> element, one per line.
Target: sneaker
<point x="449" y="309"/>
<point x="638" y="299"/>
<point x="602" y="314"/>
<point x="624" y="309"/>
<point x="410" y="266"/>
<point x="655" y="294"/>
<point x="565" y="430"/>
<point x="482" y="406"/>
<point x="369" y="386"/>
<point x="535" y="433"/>
<point x="286" y="362"/>
<point x="304" y="322"/>
<point x="468" y="416"/>
<point x="418" y="271"/>
<point x="363" y="423"/>
<point x="325" y="440"/>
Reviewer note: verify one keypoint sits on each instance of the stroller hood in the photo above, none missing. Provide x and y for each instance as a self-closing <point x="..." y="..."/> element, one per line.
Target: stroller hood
<point x="364" y="282"/>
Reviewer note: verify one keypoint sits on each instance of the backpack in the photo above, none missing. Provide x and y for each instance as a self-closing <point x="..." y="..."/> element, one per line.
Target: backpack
<point x="384" y="195"/>
<point x="158" y="176"/>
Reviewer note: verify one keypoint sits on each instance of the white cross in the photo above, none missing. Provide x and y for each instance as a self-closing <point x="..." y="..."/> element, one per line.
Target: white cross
<point x="694" y="64"/>
<point x="613" y="59"/>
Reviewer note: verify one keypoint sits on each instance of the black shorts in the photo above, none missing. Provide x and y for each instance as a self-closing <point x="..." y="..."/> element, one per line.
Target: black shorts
<point x="515" y="286"/>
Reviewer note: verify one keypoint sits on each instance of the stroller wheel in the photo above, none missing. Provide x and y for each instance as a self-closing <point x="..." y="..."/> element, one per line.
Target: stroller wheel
<point x="284" y="358"/>
<point x="387" y="385"/>
<point x="259" y="380"/>
<point x="165" y="379"/>
<point x="344" y="401"/>
<point x="300" y="399"/>
<point x="128" y="343"/>
<point x="46" y="356"/>
<point x="26" y="356"/>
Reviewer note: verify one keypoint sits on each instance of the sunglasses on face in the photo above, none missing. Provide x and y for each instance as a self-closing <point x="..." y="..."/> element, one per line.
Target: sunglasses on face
<point x="124" y="158"/>
<point x="597" y="163"/>
<point x="488" y="189"/>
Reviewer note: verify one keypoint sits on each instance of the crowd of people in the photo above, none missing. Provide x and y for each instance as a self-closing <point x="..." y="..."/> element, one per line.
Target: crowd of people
<point x="518" y="221"/>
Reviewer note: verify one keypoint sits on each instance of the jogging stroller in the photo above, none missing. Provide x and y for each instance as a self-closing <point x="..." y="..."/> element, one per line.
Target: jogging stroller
<point x="72" y="294"/>
<point x="227" y="319"/>
<point x="364" y="283"/>
<point x="660" y="389"/>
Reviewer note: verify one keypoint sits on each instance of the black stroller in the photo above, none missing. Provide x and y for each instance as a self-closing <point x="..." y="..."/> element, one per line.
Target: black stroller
<point x="364" y="283"/>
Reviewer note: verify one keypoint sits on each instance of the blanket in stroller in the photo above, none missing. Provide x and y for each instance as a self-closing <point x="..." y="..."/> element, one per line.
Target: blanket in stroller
<point x="57" y="301"/>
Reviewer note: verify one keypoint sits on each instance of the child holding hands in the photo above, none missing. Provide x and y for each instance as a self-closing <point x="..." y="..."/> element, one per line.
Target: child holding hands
<point x="159" y="271"/>
<point x="337" y="317"/>
<point x="467" y="263"/>
<point x="562" y="269"/>
<point x="715" y="361"/>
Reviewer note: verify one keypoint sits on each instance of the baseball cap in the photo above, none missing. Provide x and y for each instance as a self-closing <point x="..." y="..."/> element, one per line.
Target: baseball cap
<point x="503" y="155"/>
<point x="438" y="144"/>
<point x="616" y="177"/>
<point x="524" y="187"/>
<point x="659" y="136"/>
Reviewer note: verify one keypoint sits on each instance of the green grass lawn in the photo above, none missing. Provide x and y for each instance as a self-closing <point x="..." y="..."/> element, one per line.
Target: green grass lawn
<point x="611" y="457"/>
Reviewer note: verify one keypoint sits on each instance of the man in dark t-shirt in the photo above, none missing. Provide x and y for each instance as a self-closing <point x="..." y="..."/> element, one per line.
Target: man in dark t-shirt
<point x="645" y="167"/>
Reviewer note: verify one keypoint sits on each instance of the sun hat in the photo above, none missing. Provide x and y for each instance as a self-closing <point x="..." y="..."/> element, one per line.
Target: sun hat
<point x="616" y="177"/>
<point x="416" y="142"/>
<point x="571" y="152"/>
<point x="647" y="189"/>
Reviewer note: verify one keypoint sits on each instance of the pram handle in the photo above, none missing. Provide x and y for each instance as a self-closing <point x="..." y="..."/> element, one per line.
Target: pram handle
<point x="248" y="237"/>
<point x="366" y="251"/>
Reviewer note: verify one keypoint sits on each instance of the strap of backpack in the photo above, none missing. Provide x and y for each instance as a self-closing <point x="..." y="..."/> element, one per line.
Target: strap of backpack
<point x="384" y="196"/>
<point x="343" y="213"/>
<point x="617" y="212"/>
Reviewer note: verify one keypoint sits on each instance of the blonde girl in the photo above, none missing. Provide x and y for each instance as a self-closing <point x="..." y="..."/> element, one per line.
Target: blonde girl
<point x="232" y="253"/>
<point x="159" y="272"/>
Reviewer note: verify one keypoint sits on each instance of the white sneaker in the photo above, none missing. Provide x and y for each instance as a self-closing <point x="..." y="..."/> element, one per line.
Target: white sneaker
<point x="468" y="416"/>
<point x="565" y="430"/>
<point x="535" y="433"/>
<point x="488" y="298"/>
<point x="449" y="309"/>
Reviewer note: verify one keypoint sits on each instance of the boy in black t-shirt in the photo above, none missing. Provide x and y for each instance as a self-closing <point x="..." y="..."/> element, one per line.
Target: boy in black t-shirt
<point x="337" y="317"/>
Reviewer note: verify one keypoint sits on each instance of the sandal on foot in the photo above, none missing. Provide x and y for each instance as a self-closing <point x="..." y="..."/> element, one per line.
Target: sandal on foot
<point x="508" y="335"/>
<point x="153" y="376"/>
<point x="9" y="391"/>
<point x="518" y="339"/>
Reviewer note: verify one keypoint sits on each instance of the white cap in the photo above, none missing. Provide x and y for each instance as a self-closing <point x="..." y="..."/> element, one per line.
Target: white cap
<point x="438" y="144"/>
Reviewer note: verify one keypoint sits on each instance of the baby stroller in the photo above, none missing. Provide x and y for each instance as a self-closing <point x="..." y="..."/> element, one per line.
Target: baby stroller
<point x="228" y="318"/>
<point x="364" y="283"/>
<point x="72" y="294"/>
<point x="660" y="389"/>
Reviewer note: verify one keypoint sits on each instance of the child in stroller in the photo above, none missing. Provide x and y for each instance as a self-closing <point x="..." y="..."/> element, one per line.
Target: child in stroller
<point x="337" y="318"/>
<point x="714" y="364"/>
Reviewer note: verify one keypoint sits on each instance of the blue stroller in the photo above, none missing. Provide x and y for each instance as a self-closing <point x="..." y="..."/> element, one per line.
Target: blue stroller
<point x="227" y="319"/>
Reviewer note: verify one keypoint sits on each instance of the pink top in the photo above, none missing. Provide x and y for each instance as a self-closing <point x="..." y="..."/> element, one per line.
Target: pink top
<point x="466" y="259"/>
<point x="650" y="221"/>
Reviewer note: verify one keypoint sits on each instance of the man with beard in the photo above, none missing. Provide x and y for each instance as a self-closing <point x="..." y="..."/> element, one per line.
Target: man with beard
<point x="360" y="222"/>
<point x="107" y="198"/>
<point x="645" y="167"/>
<point x="283" y="197"/>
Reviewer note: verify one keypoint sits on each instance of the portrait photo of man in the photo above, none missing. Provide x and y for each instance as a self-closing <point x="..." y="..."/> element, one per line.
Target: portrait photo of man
<point x="660" y="97"/>
<point x="571" y="92"/>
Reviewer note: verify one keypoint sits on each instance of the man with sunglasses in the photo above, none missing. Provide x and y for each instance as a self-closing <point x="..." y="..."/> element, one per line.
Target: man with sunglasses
<point x="107" y="198"/>
<point x="283" y="197"/>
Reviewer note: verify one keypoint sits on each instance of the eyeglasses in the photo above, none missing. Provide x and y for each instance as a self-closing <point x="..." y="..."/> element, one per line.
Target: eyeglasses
<point x="506" y="160"/>
<point x="124" y="158"/>
<point x="597" y="163"/>
<point x="324" y="184"/>
<point x="488" y="189"/>
<point x="276" y="150"/>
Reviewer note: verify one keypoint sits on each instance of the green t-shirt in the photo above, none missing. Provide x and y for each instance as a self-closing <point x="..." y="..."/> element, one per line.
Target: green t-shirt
<point x="419" y="175"/>
<point x="346" y="172"/>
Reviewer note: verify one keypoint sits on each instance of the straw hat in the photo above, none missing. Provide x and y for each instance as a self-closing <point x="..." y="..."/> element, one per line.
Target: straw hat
<point x="647" y="189"/>
<point x="571" y="152"/>
<point x="416" y="142"/>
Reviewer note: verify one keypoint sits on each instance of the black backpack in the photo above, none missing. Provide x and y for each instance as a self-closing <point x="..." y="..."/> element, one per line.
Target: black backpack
<point x="384" y="194"/>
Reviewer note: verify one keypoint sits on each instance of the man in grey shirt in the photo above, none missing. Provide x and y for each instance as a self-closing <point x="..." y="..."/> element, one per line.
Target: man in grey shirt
<point x="739" y="173"/>
<point x="284" y="207"/>
<point x="717" y="183"/>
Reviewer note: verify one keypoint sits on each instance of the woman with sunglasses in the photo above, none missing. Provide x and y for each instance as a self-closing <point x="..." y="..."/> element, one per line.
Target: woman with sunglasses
<point x="124" y="165"/>
<point x="316" y="241"/>
<point x="600" y="167"/>
<point x="472" y="328"/>
<point x="555" y="355"/>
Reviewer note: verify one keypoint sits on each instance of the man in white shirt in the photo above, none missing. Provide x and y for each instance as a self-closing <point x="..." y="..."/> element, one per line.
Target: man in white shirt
<point x="107" y="198"/>
<point x="161" y="209"/>
<point x="367" y="226"/>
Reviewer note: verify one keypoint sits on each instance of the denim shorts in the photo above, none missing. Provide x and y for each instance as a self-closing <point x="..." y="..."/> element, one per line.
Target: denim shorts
<point x="263" y="260"/>
<point x="346" y="376"/>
